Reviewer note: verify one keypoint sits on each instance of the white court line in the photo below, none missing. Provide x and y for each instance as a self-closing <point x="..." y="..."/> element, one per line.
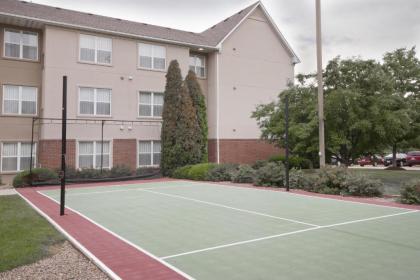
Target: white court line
<point x="286" y="234"/>
<point x="126" y="241"/>
<point x="229" y="207"/>
<point x="76" y="243"/>
<point x="297" y="194"/>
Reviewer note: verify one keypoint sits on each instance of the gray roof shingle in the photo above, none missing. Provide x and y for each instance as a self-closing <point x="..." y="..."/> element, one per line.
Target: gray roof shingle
<point x="210" y="37"/>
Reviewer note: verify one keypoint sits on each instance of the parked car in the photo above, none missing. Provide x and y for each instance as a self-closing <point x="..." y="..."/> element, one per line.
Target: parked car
<point x="370" y="160"/>
<point x="413" y="158"/>
<point x="401" y="159"/>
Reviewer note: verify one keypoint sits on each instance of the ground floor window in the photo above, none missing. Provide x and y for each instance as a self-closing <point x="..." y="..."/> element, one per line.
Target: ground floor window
<point x="16" y="156"/>
<point x="149" y="153"/>
<point x="89" y="154"/>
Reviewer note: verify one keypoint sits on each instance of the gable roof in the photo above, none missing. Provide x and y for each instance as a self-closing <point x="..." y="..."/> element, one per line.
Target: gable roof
<point x="210" y="38"/>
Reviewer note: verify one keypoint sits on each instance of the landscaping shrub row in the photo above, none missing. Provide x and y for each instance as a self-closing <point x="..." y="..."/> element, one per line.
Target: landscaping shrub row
<point x="339" y="181"/>
<point x="410" y="193"/>
<point x="41" y="176"/>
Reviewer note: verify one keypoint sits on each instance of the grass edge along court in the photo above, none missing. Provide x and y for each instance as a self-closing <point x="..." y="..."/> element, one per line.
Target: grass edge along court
<point x="171" y="221"/>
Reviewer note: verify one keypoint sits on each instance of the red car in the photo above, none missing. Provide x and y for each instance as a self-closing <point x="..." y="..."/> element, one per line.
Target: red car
<point x="370" y="160"/>
<point x="413" y="158"/>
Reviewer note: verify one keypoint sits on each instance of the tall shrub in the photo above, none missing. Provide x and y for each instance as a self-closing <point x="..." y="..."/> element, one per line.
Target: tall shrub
<point x="170" y="149"/>
<point x="199" y="104"/>
<point x="179" y="136"/>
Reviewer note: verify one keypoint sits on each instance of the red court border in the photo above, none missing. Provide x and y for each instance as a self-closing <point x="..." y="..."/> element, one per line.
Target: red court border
<point x="126" y="261"/>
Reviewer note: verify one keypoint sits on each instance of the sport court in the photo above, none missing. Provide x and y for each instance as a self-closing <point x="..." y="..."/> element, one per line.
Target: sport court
<point x="216" y="231"/>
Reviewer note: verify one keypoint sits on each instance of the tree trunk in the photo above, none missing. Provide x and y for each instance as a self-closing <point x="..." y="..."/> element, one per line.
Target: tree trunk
<point x="394" y="155"/>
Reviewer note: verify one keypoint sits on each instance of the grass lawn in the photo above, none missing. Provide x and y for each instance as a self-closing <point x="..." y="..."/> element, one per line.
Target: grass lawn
<point x="25" y="236"/>
<point x="392" y="179"/>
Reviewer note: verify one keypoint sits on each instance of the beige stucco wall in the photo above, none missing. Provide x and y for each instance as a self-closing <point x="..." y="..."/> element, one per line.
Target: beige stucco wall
<point x="254" y="68"/>
<point x="61" y="58"/>
<point x="22" y="73"/>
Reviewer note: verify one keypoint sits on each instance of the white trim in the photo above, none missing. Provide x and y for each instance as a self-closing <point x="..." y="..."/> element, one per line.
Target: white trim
<point x="19" y="113"/>
<point x="229" y="207"/>
<point x="18" y="156"/>
<point x="95" y="62"/>
<point x="282" y="38"/>
<point x="73" y="241"/>
<point x="152" y="103"/>
<point x="124" y="34"/>
<point x="94" y="101"/>
<point x="20" y="31"/>
<point x="200" y="56"/>
<point x="286" y="234"/>
<point x="180" y="272"/>
<point x="94" y="152"/>
<point x="217" y="109"/>
<point x="152" y="68"/>
<point x="151" y="153"/>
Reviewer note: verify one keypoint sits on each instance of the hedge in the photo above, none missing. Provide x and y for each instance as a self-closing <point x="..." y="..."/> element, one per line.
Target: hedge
<point x="410" y="193"/>
<point x="39" y="175"/>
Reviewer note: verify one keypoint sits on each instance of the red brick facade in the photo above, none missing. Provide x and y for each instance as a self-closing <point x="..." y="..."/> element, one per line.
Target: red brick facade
<point x="49" y="153"/>
<point x="125" y="152"/>
<point x="241" y="150"/>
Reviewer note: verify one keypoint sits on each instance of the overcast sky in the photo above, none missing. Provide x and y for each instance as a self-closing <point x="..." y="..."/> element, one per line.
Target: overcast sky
<point x="366" y="28"/>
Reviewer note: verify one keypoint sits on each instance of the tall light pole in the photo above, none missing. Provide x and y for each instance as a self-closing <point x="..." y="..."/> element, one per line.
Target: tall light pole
<point x="320" y="85"/>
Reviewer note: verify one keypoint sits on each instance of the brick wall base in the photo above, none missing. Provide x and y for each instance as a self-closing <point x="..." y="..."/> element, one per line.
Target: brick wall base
<point x="125" y="152"/>
<point x="49" y="153"/>
<point x="242" y="150"/>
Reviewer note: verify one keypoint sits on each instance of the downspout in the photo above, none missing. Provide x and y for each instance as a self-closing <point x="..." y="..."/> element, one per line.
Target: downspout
<point x="217" y="109"/>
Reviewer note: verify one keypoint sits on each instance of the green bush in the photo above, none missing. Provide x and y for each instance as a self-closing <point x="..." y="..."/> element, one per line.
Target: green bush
<point x="410" y="193"/>
<point x="331" y="181"/>
<point x="259" y="163"/>
<point x="222" y="172"/>
<point x="181" y="172"/>
<point x="39" y="175"/>
<point x="198" y="172"/>
<point x="120" y="171"/>
<point x="91" y="173"/>
<point x="244" y="174"/>
<point x="359" y="185"/>
<point x="271" y="174"/>
<point x="300" y="180"/>
<point x="294" y="161"/>
<point x="143" y="171"/>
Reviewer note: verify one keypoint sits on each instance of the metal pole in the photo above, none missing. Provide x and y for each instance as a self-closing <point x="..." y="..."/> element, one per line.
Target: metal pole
<point x="63" y="147"/>
<point x="102" y="145"/>
<point x="32" y="148"/>
<point x="320" y="85"/>
<point x="286" y="140"/>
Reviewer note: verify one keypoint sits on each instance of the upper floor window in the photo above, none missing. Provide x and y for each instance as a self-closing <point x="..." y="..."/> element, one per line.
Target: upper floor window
<point x="150" y="104"/>
<point x="19" y="100"/>
<point x="94" y="154"/>
<point x="95" y="49"/>
<point x="152" y="57"/>
<point x="16" y="156"/>
<point x="198" y="65"/>
<point x="94" y="101"/>
<point x="20" y="44"/>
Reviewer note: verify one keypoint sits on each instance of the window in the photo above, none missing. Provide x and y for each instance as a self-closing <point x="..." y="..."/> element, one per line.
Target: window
<point x="152" y="57"/>
<point x="20" y="44"/>
<point x="95" y="49"/>
<point x="19" y="100"/>
<point x="94" y="101"/>
<point x="198" y="65"/>
<point x="149" y="153"/>
<point x="16" y="156"/>
<point x="150" y="104"/>
<point x="89" y="154"/>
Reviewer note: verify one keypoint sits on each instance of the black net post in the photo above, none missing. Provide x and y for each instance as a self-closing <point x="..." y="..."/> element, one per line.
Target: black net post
<point x="63" y="147"/>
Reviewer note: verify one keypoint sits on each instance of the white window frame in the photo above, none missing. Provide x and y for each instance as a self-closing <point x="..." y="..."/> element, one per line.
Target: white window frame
<point x="94" y="102"/>
<point x="19" y="113"/>
<point x="95" y="49"/>
<point x="195" y="66"/>
<point x="95" y="153"/>
<point x="20" y="44"/>
<point x="152" y="68"/>
<point x="151" y="153"/>
<point x="152" y="93"/>
<point x="19" y="155"/>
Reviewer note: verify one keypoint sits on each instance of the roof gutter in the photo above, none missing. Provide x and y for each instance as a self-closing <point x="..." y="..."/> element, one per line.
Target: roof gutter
<point x="117" y="33"/>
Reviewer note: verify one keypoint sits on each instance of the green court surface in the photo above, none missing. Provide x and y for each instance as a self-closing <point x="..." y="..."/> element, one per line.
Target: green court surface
<point x="212" y="231"/>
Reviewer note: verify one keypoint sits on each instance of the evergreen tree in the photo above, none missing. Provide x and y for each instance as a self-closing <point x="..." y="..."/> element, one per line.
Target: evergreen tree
<point x="199" y="104"/>
<point x="179" y="137"/>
